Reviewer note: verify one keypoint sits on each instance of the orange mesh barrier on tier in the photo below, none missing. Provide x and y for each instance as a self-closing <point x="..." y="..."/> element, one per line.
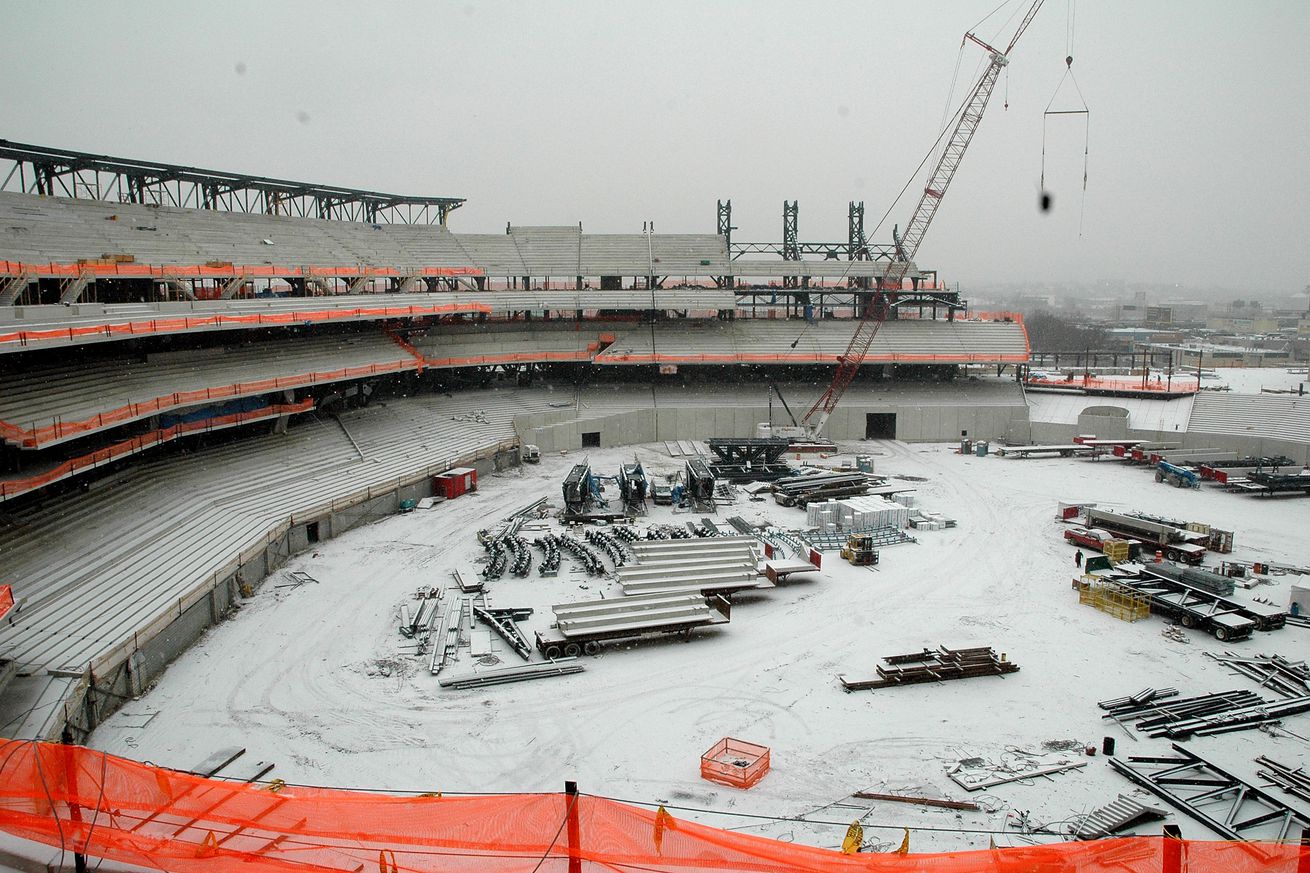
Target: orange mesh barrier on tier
<point x="81" y="800"/>
<point x="108" y="268"/>
<point x="34" y="437"/>
<point x="1153" y="385"/>
<point x="800" y="358"/>
<point x="14" y="487"/>
<point x="6" y="599"/>
<point x="150" y="326"/>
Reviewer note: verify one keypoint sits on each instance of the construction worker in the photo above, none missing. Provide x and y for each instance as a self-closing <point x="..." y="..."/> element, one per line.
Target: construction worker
<point x="1078" y="558"/>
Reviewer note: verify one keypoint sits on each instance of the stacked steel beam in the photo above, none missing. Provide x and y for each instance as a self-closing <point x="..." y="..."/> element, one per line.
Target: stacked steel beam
<point x="1204" y="715"/>
<point x="935" y="665"/>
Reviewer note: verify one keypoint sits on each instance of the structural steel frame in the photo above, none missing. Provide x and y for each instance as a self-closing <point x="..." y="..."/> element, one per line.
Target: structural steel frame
<point x="1240" y="807"/>
<point x="59" y="172"/>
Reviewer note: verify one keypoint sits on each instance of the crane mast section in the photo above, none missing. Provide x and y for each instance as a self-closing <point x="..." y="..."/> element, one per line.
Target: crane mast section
<point x="952" y="154"/>
<point x="907" y="246"/>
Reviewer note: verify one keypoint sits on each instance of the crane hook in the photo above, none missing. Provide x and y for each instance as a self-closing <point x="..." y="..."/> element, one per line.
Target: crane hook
<point x="1068" y="61"/>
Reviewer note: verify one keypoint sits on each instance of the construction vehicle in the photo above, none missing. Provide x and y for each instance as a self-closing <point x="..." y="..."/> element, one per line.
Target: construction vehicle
<point x="1174" y="543"/>
<point x="875" y="307"/>
<point x="531" y="454"/>
<point x="859" y="550"/>
<point x="1179" y="477"/>
<point x="1103" y="541"/>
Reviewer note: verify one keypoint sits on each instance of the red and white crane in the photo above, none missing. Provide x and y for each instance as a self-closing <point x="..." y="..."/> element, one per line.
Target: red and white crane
<point x="875" y="313"/>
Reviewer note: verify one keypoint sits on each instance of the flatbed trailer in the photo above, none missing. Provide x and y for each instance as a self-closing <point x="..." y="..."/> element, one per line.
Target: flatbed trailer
<point x="1227" y="619"/>
<point x="1126" y="452"/>
<point x="1172" y="541"/>
<point x="1141" y="454"/>
<point x="1279" y="483"/>
<point x="1064" y="451"/>
<point x="1221" y="471"/>
<point x="581" y="628"/>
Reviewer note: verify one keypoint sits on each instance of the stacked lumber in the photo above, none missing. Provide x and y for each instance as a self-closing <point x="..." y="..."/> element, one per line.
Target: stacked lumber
<point x="934" y="665"/>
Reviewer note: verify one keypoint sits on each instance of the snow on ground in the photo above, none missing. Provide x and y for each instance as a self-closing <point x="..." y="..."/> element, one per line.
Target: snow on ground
<point x="1249" y="380"/>
<point x="316" y="679"/>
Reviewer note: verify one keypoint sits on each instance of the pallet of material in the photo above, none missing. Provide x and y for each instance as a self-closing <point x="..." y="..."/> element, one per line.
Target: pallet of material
<point x="518" y="673"/>
<point x="934" y="665"/>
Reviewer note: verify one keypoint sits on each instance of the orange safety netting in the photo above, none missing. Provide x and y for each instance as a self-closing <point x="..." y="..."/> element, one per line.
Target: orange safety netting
<point x="150" y="326"/>
<point x="108" y="267"/>
<point x="86" y="801"/>
<point x="35" y="437"/>
<point x="801" y="358"/>
<point x="1155" y="384"/>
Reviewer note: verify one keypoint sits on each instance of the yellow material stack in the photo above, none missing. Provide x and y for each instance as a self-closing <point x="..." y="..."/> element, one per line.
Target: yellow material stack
<point x="1114" y="599"/>
<point x="1115" y="550"/>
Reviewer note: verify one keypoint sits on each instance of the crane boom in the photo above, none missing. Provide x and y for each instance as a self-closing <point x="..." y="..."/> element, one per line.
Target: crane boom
<point x="873" y="316"/>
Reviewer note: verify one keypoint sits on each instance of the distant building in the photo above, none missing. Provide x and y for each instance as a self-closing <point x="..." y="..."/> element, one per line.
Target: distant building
<point x="1243" y="322"/>
<point x="1216" y="355"/>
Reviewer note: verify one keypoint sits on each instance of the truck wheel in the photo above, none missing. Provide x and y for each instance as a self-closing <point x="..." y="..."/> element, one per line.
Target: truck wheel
<point x="1221" y="634"/>
<point x="573" y="650"/>
<point x="553" y="652"/>
<point x="1188" y="620"/>
<point x="591" y="647"/>
<point x="1159" y="477"/>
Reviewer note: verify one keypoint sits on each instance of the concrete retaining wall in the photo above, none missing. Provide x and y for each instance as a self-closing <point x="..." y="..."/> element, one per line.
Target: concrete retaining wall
<point x="560" y="430"/>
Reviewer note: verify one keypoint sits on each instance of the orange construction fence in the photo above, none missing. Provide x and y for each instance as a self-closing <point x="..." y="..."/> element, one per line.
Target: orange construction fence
<point x="13" y="487"/>
<point x="79" y="800"/>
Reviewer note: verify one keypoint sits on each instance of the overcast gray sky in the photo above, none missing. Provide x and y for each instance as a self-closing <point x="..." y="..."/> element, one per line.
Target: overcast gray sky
<point x="611" y="113"/>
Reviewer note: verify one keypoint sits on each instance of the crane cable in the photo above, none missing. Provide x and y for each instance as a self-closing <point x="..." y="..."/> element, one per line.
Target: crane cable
<point x="1085" y="112"/>
<point x="947" y="127"/>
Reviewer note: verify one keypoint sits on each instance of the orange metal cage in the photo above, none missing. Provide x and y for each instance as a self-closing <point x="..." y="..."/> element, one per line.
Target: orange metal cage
<point x="735" y="762"/>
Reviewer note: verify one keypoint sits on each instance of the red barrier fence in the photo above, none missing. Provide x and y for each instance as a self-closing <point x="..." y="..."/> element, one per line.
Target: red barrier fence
<point x="102" y="806"/>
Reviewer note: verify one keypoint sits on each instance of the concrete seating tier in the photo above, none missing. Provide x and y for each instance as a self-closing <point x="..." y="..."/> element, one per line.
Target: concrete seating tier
<point x="1270" y="416"/>
<point x="43" y="406"/>
<point x="794" y="342"/>
<point x="98" y="568"/>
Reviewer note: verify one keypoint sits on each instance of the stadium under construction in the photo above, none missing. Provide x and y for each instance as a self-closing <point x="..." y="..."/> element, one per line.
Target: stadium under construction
<point x="306" y="357"/>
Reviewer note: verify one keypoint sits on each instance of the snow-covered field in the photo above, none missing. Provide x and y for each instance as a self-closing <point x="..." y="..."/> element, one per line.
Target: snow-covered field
<point x="316" y="678"/>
